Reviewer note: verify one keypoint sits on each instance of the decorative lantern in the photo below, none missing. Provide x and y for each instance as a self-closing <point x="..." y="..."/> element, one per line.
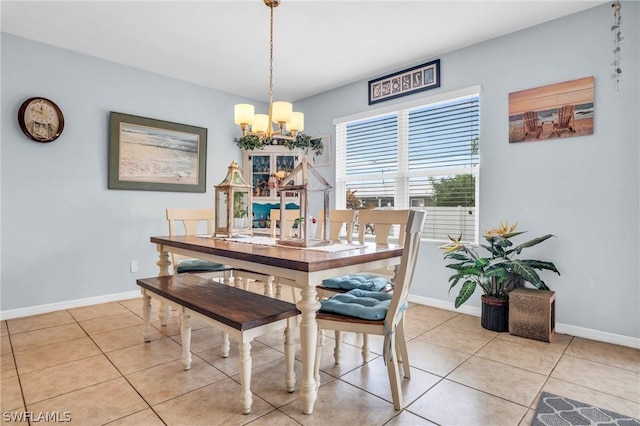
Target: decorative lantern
<point x="233" y="204"/>
<point x="304" y="236"/>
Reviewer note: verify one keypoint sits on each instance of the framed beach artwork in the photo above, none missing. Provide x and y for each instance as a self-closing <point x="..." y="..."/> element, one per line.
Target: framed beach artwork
<point x="556" y="111"/>
<point x="154" y="155"/>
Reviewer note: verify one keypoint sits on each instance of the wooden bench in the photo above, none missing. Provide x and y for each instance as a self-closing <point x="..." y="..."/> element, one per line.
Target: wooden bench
<point x="240" y="313"/>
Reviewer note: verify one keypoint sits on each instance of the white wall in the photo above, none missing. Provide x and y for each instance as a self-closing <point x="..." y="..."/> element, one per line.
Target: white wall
<point x="65" y="236"/>
<point x="585" y="190"/>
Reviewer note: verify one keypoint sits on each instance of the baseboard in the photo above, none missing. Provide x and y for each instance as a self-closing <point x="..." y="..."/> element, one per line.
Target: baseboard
<point x="572" y="330"/>
<point x="43" y="309"/>
<point x="586" y="333"/>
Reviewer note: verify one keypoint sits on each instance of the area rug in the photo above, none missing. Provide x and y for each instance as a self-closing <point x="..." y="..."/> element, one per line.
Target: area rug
<point x="554" y="410"/>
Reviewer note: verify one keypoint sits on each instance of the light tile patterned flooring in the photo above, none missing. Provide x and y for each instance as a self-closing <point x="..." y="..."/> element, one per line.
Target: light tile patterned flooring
<point x="91" y="363"/>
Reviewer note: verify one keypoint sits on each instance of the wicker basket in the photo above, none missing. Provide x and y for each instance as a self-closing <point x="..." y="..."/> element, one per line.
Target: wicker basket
<point x="495" y="313"/>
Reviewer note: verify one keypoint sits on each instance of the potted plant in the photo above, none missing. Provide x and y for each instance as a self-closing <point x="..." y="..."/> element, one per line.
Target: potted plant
<point x="496" y="274"/>
<point x="239" y="210"/>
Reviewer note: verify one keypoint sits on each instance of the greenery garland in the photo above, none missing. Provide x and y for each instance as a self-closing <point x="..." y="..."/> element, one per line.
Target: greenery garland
<point x="301" y="141"/>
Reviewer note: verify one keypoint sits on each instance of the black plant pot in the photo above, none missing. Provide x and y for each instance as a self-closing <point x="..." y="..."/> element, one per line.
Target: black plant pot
<point x="495" y="313"/>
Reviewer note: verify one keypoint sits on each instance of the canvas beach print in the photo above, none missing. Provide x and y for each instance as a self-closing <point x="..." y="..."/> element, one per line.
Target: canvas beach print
<point x="156" y="155"/>
<point x="559" y="110"/>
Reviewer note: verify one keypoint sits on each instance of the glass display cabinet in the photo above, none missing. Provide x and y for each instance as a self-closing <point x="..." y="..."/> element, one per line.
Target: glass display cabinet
<point x="265" y="169"/>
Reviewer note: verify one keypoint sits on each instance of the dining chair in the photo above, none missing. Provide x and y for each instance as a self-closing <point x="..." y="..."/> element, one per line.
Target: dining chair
<point x="378" y="313"/>
<point x="289" y="218"/>
<point x="382" y="224"/>
<point x="338" y="220"/>
<point x="199" y="221"/>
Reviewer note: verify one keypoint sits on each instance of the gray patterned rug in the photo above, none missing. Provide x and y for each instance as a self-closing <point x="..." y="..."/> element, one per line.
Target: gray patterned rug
<point x="554" y="410"/>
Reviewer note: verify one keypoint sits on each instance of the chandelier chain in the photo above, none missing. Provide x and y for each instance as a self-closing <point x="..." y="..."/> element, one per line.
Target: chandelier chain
<point x="271" y="58"/>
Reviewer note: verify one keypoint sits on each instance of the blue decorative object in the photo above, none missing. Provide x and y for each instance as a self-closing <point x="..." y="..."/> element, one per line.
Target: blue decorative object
<point x="361" y="281"/>
<point x="369" y="305"/>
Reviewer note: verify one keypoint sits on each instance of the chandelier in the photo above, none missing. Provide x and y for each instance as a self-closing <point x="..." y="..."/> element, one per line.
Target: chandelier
<point x="288" y="122"/>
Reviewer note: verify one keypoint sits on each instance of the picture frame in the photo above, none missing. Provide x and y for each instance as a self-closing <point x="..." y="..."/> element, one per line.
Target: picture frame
<point x="323" y="159"/>
<point x="406" y="82"/>
<point x="146" y="154"/>
<point x="555" y="111"/>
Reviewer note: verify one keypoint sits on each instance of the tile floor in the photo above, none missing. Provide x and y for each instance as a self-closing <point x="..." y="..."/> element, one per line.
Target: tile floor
<point x="91" y="365"/>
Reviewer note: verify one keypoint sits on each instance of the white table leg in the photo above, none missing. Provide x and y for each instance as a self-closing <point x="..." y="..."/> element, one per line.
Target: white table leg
<point x="146" y="313"/>
<point x="290" y="355"/>
<point x="185" y="337"/>
<point x="308" y="305"/>
<point x="245" y="376"/>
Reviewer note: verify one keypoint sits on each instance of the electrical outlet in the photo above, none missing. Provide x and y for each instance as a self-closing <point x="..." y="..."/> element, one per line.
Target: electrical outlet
<point x="134" y="266"/>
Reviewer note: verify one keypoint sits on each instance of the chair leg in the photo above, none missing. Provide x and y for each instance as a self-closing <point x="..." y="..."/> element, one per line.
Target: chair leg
<point x="401" y="349"/>
<point x="146" y="310"/>
<point x="365" y="347"/>
<point x="278" y="291"/>
<point x="394" y="376"/>
<point x="316" y="365"/>
<point x="225" y="347"/>
<point x="336" y="350"/>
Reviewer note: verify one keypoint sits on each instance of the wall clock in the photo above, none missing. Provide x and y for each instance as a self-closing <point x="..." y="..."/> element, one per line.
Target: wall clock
<point x="40" y="119"/>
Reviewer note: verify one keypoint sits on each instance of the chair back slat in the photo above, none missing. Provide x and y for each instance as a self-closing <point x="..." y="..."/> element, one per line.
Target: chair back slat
<point x="289" y="218"/>
<point x="188" y="222"/>
<point x="338" y="220"/>
<point x="382" y="221"/>
<point x="404" y="276"/>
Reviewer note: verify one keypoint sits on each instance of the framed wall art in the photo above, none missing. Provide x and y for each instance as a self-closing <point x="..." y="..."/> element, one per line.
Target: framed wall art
<point x="405" y="82"/>
<point x="555" y="111"/>
<point x="155" y="155"/>
<point x="322" y="158"/>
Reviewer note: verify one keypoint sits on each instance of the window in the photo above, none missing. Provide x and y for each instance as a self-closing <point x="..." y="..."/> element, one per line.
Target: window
<point x="422" y="156"/>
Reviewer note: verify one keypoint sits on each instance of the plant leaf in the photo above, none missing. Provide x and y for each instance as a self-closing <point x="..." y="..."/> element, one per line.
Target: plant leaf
<point x="532" y="243"/>
<point x="539" y="264"/>
<point x="465" y="293"/>
<point x="526" y="272"/>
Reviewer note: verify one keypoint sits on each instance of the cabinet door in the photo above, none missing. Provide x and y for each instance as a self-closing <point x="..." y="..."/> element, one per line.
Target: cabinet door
<point x="260" y="172"/>
<point x="284" y="163"/>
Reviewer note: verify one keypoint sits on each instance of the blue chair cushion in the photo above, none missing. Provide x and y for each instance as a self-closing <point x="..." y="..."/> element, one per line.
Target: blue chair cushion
<point x="197" y="265"/>
<point x="369" y="305"/>
<point x="361" y="281"/>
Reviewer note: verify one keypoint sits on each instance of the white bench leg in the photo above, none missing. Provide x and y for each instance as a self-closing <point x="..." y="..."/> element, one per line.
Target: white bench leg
<point x="146" y="312"/>
<point x="336" y="350"/>
<point x="290" y="355"/>
<point x="185" y="336"/>
<point x="246" y="397"/>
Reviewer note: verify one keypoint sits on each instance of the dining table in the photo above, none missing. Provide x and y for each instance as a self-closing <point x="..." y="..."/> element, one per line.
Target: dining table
<point x="304" y="268"/>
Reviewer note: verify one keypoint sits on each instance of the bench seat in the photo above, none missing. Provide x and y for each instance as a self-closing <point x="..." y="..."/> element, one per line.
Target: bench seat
<point x="242" y="314"/>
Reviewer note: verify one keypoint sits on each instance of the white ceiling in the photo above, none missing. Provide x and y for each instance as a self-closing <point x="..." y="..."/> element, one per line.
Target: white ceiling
<point x="318" y="46"/>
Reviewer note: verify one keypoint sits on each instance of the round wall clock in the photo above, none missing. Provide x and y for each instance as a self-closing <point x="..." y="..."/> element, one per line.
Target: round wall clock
<point x="40" y="119"/>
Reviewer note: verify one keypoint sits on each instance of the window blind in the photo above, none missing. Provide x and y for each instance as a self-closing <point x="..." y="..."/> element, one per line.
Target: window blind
<point x="424" y="157"/>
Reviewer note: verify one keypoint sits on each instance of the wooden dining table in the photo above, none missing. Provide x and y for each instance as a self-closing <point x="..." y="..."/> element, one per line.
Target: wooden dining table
<point x="304" y="268"/>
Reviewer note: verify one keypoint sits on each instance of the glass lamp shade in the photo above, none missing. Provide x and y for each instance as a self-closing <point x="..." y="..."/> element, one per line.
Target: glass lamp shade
<point x="297" y="122"/>
<point x="244" y="113"/>
<point x="281" y="112"/>
<point x="260" y="123"/>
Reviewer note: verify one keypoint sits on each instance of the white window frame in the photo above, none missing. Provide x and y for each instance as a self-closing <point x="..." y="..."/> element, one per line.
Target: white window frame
<point x="402" y="176"/>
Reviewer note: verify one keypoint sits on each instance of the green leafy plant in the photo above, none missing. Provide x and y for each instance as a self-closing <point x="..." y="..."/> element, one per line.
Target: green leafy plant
<point x="239" y="206"/>
<point x="495" y="274"/>
<point x="301" y="141"/>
